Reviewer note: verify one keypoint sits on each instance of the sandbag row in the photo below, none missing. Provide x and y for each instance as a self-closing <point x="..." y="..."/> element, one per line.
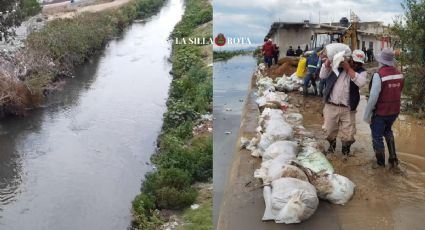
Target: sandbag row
<point x="295" y="173"/>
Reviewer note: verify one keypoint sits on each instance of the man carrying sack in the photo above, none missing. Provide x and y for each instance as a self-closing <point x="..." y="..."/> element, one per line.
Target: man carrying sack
<point x="341" y="96"/>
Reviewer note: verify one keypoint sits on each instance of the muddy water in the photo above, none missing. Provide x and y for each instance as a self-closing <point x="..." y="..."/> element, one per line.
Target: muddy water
<point x="383" y="199"/>
<point x="78" y="162"/>
<point x="231" y="79"/>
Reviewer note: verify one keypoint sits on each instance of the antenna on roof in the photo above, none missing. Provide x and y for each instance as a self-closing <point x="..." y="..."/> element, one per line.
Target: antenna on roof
<point x="319" y="17"/>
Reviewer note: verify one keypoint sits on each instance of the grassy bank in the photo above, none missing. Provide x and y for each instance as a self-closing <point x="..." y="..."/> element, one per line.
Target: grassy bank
<point x="60" y="46"/>
<point x="183" y="157"/>
<point x="225" y="55"/>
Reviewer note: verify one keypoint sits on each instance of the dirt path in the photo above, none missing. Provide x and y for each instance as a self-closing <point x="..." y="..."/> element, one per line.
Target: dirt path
<point x="382" y="199"/>
<point x="68" y="10"/>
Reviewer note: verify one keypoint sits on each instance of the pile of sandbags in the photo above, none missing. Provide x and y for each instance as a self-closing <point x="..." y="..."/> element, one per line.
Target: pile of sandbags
<point x="295" y="173"/>
<point x="272" y="99"/>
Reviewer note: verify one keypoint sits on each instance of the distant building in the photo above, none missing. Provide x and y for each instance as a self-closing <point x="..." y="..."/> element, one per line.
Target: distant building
<point x="285" y="34"/>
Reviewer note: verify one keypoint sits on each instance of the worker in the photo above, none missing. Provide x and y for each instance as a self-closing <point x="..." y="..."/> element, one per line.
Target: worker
<point x="302" y="67"/>
<point x="298" y="52"/>
<point x="276" y="53"/>
<point x="370" y="54"/>
<point x="342" y="97"/>
<point x="267" y="52"/>
<point x="383" y="107"/>
<point x="290" y="52"/>
<point x="312" y="61"/>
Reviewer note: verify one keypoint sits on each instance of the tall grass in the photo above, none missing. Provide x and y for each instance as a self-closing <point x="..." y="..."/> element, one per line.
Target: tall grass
<point x="181" y="157"/>
<point x="64" y="44"/>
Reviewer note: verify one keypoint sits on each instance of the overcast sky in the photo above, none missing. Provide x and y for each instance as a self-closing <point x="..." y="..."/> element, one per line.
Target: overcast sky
<point x="252" y="18"/>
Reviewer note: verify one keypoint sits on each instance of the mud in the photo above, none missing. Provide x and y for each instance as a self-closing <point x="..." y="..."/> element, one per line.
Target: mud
<point x="382" y="200"/>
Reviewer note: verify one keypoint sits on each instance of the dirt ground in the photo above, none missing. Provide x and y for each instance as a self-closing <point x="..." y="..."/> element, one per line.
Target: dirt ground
<point x="382" y="199"/>
<point x="68" y="10"/>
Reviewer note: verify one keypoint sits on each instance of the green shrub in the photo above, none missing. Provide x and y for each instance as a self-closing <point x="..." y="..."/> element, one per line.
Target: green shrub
<point x="178" y="112"/>
<point x="196" y="159"/>
<point x="29" y="8"/>
<point x="144" y="204"/>
<point x="172" y="198"/>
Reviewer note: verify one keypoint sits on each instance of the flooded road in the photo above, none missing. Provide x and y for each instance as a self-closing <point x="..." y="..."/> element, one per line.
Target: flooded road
<point x="78" y="163"/>
<point x="231" y="79"/>
<point x="382" y="200"/>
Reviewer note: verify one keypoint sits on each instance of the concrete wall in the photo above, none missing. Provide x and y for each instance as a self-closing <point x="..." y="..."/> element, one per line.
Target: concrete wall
<point x="377" y="45"/>
<point x="292" y="37"/>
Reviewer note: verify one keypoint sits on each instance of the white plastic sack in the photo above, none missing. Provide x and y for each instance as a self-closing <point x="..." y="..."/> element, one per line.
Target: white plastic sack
<point x="261" y="66"/>
<point x="334" y="48"/>
<point x="289" y="200"/>
<point x="335" y="188"/>
<point x="336" y="53"/>
<point x="280" y="147"/>
<point x="275" y="128"/>
<point x="276" y="166"/>
<point x="294" y="118"/>
<point x="341" y="192"/>
<point x="313" y="159"/>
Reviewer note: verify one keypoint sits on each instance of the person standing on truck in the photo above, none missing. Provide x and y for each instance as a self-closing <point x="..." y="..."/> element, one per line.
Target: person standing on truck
<point x="383" y="107"/>
<point x="342" y="96"/>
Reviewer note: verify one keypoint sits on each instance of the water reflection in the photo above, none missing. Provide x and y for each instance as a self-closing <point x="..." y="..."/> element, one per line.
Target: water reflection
<point x="78" y="162"/>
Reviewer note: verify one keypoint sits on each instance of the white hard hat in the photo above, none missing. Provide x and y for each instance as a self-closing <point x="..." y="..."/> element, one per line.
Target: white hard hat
<point x="358" y="56"/>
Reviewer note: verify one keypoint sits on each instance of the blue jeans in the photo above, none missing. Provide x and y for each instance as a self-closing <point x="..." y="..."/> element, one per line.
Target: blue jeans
<point x="322" y="85"/>
<point x="381" y="127"/>
<point x="308" y="78"/>
<point x="268" y="61"/>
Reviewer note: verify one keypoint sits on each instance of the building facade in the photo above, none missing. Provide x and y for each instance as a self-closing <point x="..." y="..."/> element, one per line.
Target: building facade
<point x="369" y="35"/>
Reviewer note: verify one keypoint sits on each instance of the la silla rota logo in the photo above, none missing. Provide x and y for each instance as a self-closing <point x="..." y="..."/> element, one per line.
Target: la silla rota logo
<point x="220" y="40"/>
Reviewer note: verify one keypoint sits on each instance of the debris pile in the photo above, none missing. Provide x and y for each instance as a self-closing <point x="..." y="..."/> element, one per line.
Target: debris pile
<point x="295" y="173"/>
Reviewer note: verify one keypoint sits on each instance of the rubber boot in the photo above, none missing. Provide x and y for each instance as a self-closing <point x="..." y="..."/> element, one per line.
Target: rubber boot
<point x="332" y="146"/>
<point x="392" y="159"/>
<point x="305" y="91"/>
<point x="315" y="90"/>
<point x="380" y="158"/>
<point x="345" y="148"/>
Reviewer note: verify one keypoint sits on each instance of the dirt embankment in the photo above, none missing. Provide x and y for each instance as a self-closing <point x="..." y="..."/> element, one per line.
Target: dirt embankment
<point x="68" y="10"/>
<point x="382" y="199"/>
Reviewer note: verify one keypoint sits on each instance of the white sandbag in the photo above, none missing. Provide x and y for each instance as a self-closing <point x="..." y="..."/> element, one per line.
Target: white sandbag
<point x="270" y="114"/>
<point x="332" y="187"/>
<point x="275" y="128"/>
<point x="335" y="48"/>
<point x="275" y="131"/>
<point x="336" y="53"/>
<point x="294" y="118"/>
<point x="272" y="169"/>
<point x="261" y="101"/>
<point x="313" y="159"/>
<point x="292" y="200"/>
<point x="244" y="142"/>
<point x="267" y="195"/>
<point x="261" y="66"/>
<point x="280" y="147"/>
<point x="342" y="189"/>
<point x="275" y="169"/>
